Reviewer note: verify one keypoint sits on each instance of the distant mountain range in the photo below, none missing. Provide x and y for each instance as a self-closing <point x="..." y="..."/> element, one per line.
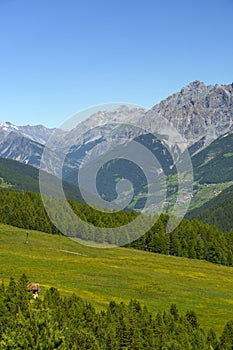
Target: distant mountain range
<point x="37" y="133"/>
<point x="202" y="114"/>
<point x="197" y="111"/>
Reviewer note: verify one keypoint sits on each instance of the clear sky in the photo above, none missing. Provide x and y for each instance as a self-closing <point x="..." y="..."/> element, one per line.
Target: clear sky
<point x="58" y="57"/>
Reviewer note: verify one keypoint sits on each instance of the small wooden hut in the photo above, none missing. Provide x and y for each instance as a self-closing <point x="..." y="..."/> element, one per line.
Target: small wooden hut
<point x="34" y="288"/>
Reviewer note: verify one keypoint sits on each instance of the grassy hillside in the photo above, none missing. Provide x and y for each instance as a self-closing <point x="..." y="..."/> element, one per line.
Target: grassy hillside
<point x="101" y="275"/>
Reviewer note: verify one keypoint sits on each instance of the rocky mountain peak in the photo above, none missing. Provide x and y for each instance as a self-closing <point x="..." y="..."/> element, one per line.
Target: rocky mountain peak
<point x="197" y="111"/>
<point x="7" y="126"/>
<point x="194" y="85"/>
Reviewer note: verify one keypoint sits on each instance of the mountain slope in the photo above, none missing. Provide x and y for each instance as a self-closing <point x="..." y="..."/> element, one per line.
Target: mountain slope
<point x="24" y="143"/>
<point x="214" y="164"/>
<point x="17" y="147"/>
<point x="19" y="176"/>
<point x="26" y="178"/>
<point x="218" y="211"/>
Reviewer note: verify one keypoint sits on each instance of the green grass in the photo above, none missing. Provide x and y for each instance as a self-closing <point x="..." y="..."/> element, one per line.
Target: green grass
<point x="101" y="275"/>
<point x="3" y="183"/>
<point x="227" y="155"/>
<point x="206" y="193"/>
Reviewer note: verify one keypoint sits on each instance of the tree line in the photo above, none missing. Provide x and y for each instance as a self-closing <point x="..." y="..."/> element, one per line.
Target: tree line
<point x="54" y="322"/>
<point x="192" y="238"/>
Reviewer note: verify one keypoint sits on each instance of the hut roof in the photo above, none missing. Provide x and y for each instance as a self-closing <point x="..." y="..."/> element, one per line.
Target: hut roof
<point x="33" y="286"/>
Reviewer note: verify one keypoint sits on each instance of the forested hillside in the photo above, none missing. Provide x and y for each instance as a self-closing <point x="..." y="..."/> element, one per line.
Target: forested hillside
<point x="214" y="163"/>
<point x="191" y="239"/>
<point x="18" y="176"/>
<point x="218" y="211"/>
<point x="26" y="210"/>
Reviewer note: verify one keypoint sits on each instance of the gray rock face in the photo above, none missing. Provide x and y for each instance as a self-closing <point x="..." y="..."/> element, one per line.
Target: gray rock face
<point x="23" y="143"/>
<point x="198" y="111"/>
<point x="20" y="148"/>
<point x="101" y="132"/>
<point x="37" y="133"/>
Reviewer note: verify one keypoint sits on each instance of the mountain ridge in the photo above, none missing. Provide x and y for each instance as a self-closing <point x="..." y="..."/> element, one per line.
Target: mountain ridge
<point x="197" y="111"/>
<point x="201" y="113"/>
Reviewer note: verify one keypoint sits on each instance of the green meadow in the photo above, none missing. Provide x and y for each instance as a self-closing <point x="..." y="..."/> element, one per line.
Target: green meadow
<point x="120" y="274"/>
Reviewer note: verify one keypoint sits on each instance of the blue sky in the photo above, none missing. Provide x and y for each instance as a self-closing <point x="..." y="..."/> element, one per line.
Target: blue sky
<point x="61" y="56"/>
